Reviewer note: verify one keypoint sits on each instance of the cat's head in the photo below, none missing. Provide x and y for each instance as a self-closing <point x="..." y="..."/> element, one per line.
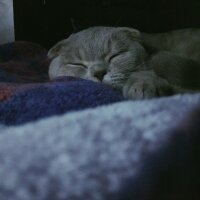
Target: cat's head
<point x="105" y="54"/>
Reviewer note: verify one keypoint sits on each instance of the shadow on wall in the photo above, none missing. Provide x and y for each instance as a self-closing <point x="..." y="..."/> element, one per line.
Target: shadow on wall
<point x="48" y="21"/>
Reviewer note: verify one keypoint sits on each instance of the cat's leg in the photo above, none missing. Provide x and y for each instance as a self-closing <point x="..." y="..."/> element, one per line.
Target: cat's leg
<point x="177" y="70"/>
<point x="145" y="85"/>
<point x="167" y="73"/>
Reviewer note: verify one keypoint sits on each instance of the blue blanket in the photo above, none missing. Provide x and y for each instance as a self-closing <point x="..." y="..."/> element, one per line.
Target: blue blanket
<point x="26" y="94"/>
<point x="146" y="150"/>
<point x="102" y="149"/>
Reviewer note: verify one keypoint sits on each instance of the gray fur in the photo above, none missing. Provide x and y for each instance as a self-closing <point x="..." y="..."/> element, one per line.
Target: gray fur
<point x="141" y="65"/>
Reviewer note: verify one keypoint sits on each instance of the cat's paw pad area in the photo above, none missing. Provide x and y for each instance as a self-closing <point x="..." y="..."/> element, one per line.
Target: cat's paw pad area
<point x="146" y="85"/>
<point x="140" y="90"/>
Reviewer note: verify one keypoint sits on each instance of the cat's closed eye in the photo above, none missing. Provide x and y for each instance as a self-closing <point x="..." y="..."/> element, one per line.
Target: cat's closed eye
<point x="115" y="55"/>
<point x="77" y="65"/>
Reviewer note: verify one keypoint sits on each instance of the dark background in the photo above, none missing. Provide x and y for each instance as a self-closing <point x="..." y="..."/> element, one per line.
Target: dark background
<point x="47" y="23"/>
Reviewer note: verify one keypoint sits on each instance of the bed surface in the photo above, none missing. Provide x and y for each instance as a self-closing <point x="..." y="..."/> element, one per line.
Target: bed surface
<point x="75" y="139"/>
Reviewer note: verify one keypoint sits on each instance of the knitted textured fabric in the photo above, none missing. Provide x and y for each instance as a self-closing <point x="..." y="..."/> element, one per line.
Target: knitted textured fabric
<point x="141" y="150"/>
<point x="22" y="62"/>
<point x="127" y="150"/>
<point x="27" y="102"/>
<point x="26" y="94"/>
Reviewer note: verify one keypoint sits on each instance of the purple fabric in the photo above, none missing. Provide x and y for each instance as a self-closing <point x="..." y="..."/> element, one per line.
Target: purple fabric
<point x="26" y="94"/>
<point x="172" y="171"/>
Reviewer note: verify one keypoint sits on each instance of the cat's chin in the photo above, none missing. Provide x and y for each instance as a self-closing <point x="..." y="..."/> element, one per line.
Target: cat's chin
<point x="107" y="82"/>
<point x="117" y="87"/>
<point x="107" y="79"/>
<point x="92" y="79"/>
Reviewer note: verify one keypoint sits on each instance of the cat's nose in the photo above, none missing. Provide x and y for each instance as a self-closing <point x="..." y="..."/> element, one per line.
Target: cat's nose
<point x="99" y="74"/>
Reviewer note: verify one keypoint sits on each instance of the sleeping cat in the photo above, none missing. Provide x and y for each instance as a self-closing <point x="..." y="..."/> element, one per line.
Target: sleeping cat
<point x="138" y="64"/>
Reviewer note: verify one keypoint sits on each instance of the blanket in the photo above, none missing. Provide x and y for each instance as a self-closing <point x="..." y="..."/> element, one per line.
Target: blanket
<point x="26" y="94"/>
<point x="128" y="150"/>
<point x="112" y="150"/>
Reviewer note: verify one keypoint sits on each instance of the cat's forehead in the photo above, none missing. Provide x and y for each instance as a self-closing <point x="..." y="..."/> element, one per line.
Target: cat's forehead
<point x="101" y="32"/>
<point x="92" y="37"/>
<point x="94" y="32"/>
<point x="98" y="40"/>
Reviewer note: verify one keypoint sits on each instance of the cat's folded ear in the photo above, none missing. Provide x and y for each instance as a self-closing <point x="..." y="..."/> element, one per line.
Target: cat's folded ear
<point x="134" y="33"/>
<point x="57" y="48"/>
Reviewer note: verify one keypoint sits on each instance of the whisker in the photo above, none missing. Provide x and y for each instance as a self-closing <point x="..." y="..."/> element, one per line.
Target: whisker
<point x="122" y="77"/>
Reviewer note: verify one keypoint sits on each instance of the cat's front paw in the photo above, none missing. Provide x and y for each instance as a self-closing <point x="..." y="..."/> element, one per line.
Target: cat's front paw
<point x="146" y="85"/>
<point x="140" y="90"/>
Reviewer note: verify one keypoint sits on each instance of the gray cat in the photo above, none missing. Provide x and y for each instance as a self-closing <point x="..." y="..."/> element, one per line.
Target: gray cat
<point x="140" y="65"/>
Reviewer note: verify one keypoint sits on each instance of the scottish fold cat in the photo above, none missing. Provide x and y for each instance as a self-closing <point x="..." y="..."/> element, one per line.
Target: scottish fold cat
<point x="138" y="64"/>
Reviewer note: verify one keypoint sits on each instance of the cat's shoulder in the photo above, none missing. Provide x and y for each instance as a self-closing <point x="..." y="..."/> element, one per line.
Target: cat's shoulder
<point x="175" y="40"/>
